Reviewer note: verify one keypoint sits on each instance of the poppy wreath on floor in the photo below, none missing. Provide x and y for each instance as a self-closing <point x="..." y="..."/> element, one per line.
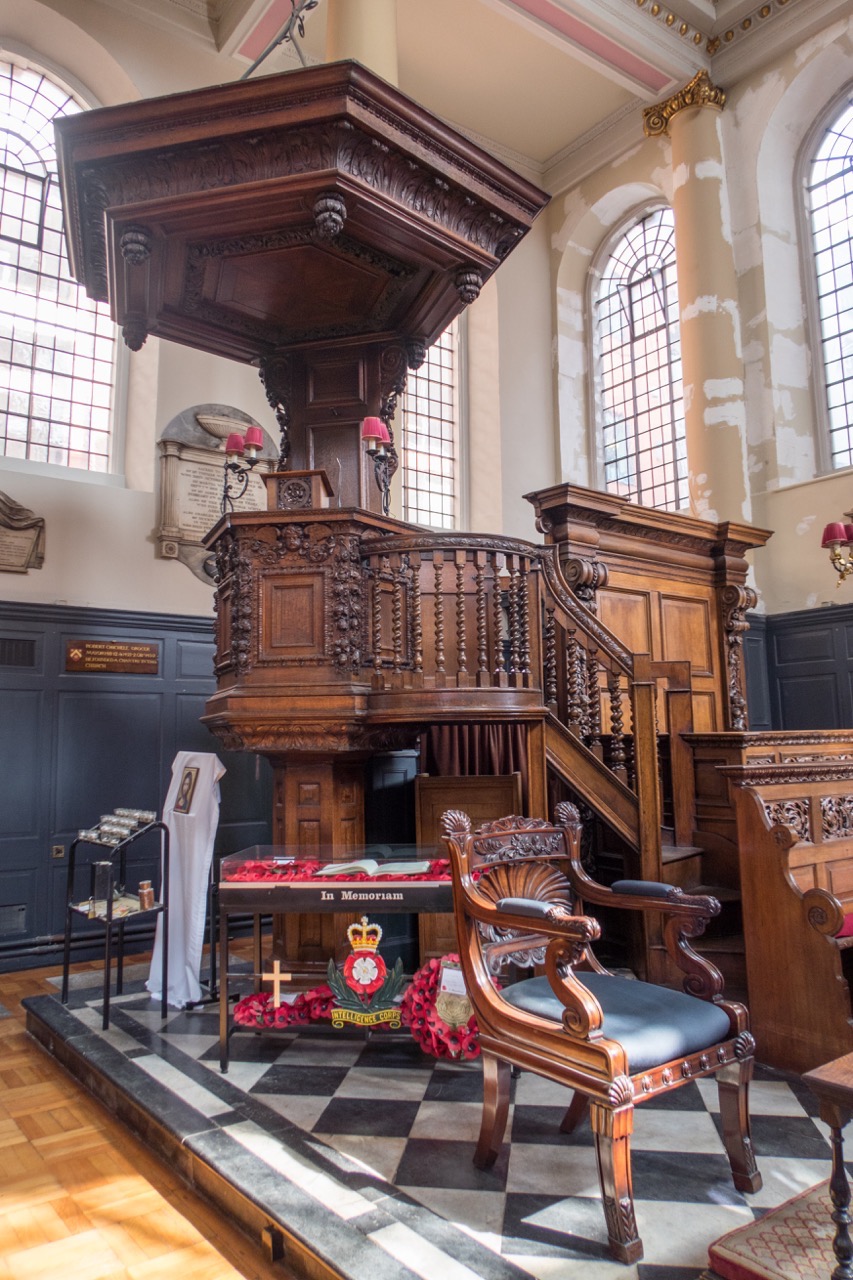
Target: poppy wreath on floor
<point x="433" y="1034"/>
<point x="258" y="1010"/>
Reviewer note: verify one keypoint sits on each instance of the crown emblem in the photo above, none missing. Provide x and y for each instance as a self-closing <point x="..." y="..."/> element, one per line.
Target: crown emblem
<point x="364" y="936"/>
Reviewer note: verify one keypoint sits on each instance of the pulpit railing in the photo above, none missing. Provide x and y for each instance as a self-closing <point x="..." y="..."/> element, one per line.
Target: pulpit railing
<point x="453" y="612"/>
<point x="351" y="625"/>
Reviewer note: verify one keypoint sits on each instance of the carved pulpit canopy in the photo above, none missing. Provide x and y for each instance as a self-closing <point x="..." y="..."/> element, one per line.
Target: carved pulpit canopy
<point x="317" y="223"/>
<point x="315" y="206"/>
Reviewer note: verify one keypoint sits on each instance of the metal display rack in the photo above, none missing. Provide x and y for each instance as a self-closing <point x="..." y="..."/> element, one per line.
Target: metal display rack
<point x="110" y="902"/>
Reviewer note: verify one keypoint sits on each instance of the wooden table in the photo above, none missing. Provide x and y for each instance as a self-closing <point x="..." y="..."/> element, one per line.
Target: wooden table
<point x="833" y="1086"/>
<point x="270" y="897"/>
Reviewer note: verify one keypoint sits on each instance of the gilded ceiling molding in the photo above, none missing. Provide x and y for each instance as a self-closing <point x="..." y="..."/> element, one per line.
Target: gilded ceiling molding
<point x="700" y="92"/>
<point x="718" y="38"/>
<point x="746" y="26"/>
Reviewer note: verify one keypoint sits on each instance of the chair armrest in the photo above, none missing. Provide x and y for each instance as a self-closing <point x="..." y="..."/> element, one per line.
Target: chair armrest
<point x="551" y="920"/>
<point x="652" y="894"/>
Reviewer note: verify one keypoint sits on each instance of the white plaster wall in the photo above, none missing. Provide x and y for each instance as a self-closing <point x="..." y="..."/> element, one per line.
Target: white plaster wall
<point x="792" y="572"/>
<point x="526" y="403"/>
<point x="768" y="118"/>
<point x="767" y="123"/>
<point x="100" y="548"/>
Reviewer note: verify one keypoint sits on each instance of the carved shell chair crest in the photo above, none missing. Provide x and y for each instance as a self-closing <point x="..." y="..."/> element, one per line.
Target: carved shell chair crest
<point x="520" y="892"/>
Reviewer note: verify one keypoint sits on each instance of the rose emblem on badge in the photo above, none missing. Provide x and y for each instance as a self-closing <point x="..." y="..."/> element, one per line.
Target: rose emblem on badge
<point x="364" y="969"/>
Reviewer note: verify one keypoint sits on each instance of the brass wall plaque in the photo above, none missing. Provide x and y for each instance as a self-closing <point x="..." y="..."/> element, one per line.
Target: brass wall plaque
<point x="128" y="656"/>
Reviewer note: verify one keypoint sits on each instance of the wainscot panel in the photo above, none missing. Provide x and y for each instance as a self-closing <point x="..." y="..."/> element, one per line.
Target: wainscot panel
<point x="94" y="705"/>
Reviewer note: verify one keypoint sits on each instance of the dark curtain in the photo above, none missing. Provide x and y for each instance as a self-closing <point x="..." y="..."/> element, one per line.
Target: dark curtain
<point x="463" y="750"/>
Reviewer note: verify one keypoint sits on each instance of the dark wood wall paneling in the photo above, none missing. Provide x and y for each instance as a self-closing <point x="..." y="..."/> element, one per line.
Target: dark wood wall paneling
<point x="804" y="660"/>
<point x="74" y="746"/>
<point x="755" y="668"/>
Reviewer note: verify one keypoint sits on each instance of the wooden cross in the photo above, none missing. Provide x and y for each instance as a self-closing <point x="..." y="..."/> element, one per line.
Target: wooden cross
<point x="276" y="978"/>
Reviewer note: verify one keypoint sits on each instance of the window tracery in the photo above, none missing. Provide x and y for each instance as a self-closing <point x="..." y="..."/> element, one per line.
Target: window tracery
<point x="57" y="348"/>
<point x="640" y="412"/>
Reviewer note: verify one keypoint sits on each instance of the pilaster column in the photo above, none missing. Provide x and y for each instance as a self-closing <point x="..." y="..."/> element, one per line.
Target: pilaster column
<point x="365" y="30"/>
<point x="712" y="361"/>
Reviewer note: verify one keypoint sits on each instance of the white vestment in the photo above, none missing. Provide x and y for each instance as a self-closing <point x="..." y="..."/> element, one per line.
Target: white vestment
<point x="191" y="813"/>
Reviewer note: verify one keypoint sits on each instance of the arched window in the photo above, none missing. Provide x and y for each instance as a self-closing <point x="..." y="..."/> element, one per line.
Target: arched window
<point x="57" y="349"/>
<point x="638" y="367"/>
<point x="829" y="185"/>
<point x="430" y="437"/>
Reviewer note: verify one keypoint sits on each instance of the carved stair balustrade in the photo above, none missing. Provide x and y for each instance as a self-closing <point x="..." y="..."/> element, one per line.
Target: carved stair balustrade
<point x="341" y="633"/>
<point x="354" y="631"/>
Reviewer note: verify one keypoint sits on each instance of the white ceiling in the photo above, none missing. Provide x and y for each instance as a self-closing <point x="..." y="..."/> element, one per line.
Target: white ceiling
<point x="538" y="82"/>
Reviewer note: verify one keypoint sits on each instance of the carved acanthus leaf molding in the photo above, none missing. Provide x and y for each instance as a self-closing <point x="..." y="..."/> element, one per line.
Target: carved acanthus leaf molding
<point x="699" y="92"/>
<point x="735" y="602"/>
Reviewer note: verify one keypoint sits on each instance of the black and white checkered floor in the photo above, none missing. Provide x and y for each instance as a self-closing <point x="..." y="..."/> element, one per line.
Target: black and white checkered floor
<point x="364" y="1148"/>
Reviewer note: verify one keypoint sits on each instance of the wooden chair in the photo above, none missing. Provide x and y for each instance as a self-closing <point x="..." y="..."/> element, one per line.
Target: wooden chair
<point x="520" y="894"/>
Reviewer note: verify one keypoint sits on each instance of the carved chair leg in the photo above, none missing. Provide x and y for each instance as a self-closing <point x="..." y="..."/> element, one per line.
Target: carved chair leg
<point x="496" y="1089"/>
<point x="577" y="1112"/>
<point x="733" y="1088"/>
<point x="612" y="1130"/>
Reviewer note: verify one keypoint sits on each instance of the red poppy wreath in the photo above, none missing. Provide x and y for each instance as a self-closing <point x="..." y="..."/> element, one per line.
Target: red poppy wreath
<point x="434" y="1035"/>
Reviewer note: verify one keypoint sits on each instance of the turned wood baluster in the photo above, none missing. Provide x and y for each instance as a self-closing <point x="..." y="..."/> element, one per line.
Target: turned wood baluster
<point x="482" y="639"/>
<point x="514" y="622"/>
<point x="397" y="613"/>
<point x="438" y="569"/>
<point x="594" y="693"/>
<point x="461" y="629"/>
<point x="416" y="615"/>
<point x="583" y="690"/>
<point x="497" y="618"/>
<point x="550" y="638"/>
<point x="377" y="622"/>
<point x="573" y="707"/>
<point x="617" y="719"/>
<point x="524" y="616"/>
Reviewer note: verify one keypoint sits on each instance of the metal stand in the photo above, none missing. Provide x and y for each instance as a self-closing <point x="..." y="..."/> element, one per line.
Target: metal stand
<point x="103" y="910"/>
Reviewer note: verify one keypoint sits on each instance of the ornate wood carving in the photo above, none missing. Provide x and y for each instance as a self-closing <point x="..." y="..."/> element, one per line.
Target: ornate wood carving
<point x="277" y="377"/>
<point x="735" y="601"/>
<point x="790" y="813"/>
<point x="836" y="813"/>
<point x="585" y="577"/>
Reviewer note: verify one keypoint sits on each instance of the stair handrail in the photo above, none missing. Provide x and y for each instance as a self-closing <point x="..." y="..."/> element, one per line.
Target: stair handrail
<point x="640" y="674"/>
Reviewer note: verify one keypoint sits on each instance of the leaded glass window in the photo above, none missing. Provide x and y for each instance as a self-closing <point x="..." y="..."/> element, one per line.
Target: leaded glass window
<point x="640" y="402"/>
<point x="429" y="437"/>
<point x="57" y="348"/>
<point x="830" y="194"/>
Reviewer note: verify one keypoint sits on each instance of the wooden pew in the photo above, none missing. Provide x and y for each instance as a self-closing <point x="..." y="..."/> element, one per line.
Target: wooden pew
<point x="795" y="839"/>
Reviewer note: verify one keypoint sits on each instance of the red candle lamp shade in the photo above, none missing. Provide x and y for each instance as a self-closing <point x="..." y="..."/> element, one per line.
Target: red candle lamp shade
<point x="384" y="433"/>
<point x="836" y="533"/>
<point x="235" y="446"/>
<point x="254" y="441"/>
<point x="371" y="431"/>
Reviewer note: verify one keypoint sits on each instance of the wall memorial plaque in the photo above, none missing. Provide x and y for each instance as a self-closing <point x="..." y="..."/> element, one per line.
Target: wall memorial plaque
<point x="130" y="657"/>
<point x="22" y="535"/>
<point x="192" y="458"/>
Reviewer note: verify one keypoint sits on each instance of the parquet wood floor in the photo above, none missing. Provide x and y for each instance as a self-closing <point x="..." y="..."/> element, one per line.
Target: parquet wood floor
<point x="83" y="1199"/>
